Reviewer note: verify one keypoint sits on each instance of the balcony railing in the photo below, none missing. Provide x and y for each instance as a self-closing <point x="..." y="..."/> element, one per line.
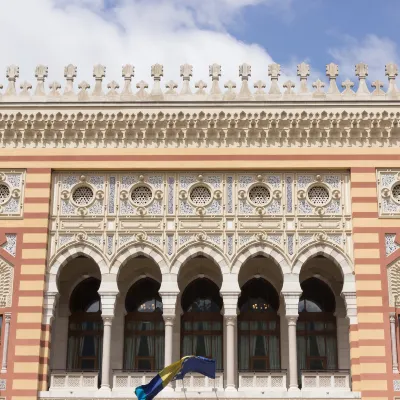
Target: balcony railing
<point x="129" y="380"/>
<point x="74" y="380"/>
<point x="262" y="381"/>
<point x="200" y="383"/>
<point x="336" y="380"/>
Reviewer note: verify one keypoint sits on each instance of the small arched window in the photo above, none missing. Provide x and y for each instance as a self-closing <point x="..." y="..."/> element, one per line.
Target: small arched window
<point x="85" y="334"/>
<point x="201" y="326"/>
<point x="144" y="327"/>
<point x="258" y="327"/>
<point x="316" y="327"/>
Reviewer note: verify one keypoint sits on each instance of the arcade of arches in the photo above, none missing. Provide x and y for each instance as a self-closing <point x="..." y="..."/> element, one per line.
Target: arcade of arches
<point x="253" y="327"/>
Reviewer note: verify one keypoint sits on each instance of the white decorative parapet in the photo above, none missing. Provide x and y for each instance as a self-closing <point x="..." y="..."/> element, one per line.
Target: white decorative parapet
<point x="262" y="381"/>
<point x="128" y="381"/>
<point x="285" y="90"/>
<point x="70" y="381"/>
<point x="200" y="383"/>
<point x="337" y="380"/>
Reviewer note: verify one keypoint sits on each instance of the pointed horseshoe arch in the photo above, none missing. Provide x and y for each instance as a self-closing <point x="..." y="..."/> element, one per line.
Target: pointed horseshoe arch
<point x="333" y="254"/>
<point x="139" y="249"/>
<point x="196" y="249"/>
<point x="264" y="249"/>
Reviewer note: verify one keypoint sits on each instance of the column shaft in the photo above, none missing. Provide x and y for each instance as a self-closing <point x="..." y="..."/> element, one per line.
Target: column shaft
<point x="5" y="343"/>
<point x="395" y="364"/>
<point x="230" y="322"/>
<point x="169" y="330"/>
<point x="105" y="373"/>
<point x="293" y="378"/>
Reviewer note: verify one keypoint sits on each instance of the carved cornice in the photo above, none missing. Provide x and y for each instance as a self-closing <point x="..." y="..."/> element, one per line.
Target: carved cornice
<point x="223" y="126"/>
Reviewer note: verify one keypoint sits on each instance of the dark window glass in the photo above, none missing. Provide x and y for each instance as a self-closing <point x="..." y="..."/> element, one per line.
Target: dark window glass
<point x="144" y="327"/>
<point x="85" y="333"/>
<point x="258" y="327"/>
<point x="316" y="328"/>
<point x="201" y="325"/>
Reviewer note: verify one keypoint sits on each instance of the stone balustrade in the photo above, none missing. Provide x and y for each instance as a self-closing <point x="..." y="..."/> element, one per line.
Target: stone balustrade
<point x="199" y="383"/>
<point x="262" y="381"/>
<point x="129" y="380"/>
<point x="277" y="91"/>
<point x="74" y="381"/>
<point x="329" y="380"/>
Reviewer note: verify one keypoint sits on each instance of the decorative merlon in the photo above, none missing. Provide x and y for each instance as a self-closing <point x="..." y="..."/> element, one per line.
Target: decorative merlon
<point x="184" y="91"/>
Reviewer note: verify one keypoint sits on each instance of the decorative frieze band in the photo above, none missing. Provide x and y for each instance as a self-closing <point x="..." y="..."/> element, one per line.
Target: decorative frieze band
<point x="197" y="128"/>
<point x="233" y="92"/>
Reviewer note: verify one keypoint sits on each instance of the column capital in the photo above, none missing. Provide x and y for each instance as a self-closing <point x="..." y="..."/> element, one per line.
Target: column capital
<point x="169" y="319"/>
<point x="291" y="303"/>
<point x="350" y="299"/>
<point x="107" y="319"/>
<point x="392" y="317"/>
<point x="292" y="319"/>
<point x="7" y="317"/>
<point x="230" y="320"/>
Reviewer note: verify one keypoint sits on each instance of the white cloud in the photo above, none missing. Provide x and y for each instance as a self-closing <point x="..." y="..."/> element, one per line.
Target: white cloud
<point x="373" y="50"/>
<point x="141" y="32"/>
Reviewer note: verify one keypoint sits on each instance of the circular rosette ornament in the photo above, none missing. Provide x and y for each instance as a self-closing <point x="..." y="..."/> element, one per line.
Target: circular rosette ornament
<point x="158" y="194"/>
<point x="242" y="194"/>
<point x="81" y="236"/>
<point x="141" y="211"/>
<point x="301" y="194"/>
<point x="124" y="195"/>
<point x="201" y="211"/>
<point x="261" y="236"/>
<point x="336" y="194"/>
<point x="385" y="192"/>
<point x="319" y="211"/>
<point x="2" y="177"/>
<point x="82" y="178"/>
<point x="82" y="211"/>
<point x="217" y="194"/>
<point x="141" y="236"/>
<point x="16" y="193"/>
<point x="277" y="194"/>
<point x="318" y="178"/>
<point x="65" y="194"/>
<point x="260" y="210"/>
<point x="321" y="237"/>
<point x="200" y="237"/>
<point x="99" y="195"/>
<point x="183" y="195"/>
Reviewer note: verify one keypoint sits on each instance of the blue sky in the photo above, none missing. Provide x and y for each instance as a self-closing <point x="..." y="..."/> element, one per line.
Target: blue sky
<point x="198" y="32"/>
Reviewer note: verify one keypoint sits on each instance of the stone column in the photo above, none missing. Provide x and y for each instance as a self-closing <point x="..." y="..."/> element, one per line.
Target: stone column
<point x="292" y="341"/>
<point x="230" y="323"/>
<point x="395" y="364"/>
<point x="108" y="300"/>
<point x="230" y="293"/>
<point x="5" y="342"/>
<point x="105" y="372"/>
<point x="169" y="321"/>
<point x="292" y="313"/>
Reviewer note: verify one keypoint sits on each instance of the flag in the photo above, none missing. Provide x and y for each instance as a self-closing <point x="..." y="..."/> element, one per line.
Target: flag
<point x="176" y="371"/>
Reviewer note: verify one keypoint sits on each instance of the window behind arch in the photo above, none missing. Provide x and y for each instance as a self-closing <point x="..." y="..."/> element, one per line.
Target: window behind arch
<point x="316" y="327"/>
<point x="258" y="327"/>
<point x="144" y="327"/>
<point x="85" y="333"/>
<point x="201" y="328"/>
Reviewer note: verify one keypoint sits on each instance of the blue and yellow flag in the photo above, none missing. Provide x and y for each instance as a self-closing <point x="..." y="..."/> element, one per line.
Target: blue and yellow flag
<point x="176" y="371"/>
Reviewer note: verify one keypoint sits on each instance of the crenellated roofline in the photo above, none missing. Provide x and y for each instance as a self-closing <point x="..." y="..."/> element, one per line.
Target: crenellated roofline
<point x="276" y="91"/>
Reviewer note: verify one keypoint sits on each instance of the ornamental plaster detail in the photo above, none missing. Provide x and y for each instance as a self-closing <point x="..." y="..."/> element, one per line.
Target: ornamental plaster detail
<point x="172" y="92"/>
<point x="12" y="183"/>
<point x="388" y="193"/>
<point x="193" y="126"/>
<point x="391" y="244"/>
<point x="225" y="211"/>
<point x="6" y="284"/>
<point x="393" y="272"/>
<point x="10" y="246"/>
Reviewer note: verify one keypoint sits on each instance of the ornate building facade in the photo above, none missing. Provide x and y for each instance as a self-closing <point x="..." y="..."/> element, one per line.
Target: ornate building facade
<point x="258" y="227"/>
